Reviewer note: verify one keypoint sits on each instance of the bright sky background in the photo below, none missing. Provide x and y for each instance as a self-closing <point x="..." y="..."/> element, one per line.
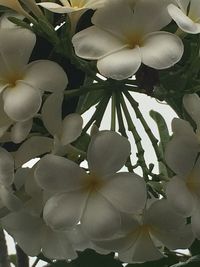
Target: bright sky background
<point x="146" y="104"/>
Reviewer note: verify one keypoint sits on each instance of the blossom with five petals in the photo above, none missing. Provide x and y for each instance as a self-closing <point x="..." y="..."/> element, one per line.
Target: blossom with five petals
<point x="97" y="198"/>
<point x="121" y="45"/>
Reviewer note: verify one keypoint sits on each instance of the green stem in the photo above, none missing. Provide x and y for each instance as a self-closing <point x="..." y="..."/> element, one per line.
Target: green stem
<point x="153" y="139"/>
<point x="133" y="130"/>
<point x="22" y="258"/>
<point x="113" y="113"/>
<point x="83" y="90"/>
<point x="36" y="262"/>
<point x="98" y="114"/>
<point x="4" y="261"/>
<point x="122" y="130"/>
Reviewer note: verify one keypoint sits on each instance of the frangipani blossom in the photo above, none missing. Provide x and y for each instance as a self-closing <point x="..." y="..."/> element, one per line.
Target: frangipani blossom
<point x="121" y="46"/>
<point x="72" y="5"/>
<point x="186" y="14"/>
<point x="79" y="195"/>
<point x="22" y="84"/>
<point x="143" y="239"/>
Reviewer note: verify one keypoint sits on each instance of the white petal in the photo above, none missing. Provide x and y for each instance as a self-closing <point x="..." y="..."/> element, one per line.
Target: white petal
<point x="20" y="131"/>
<point x="159" y="213"/>
<point x="181" y="127"/>
<point x="56" y="245"/>
<point x="107" y="18"/>
<point x="26" y="230"/>
<point x="107" y="152"/>
<point x="56" y="8"/>
<point x="191" y="103"/>
<point x="52" y="113"/>
<point x="101" y="224"/>
<point x="142" y="250"/>
<point x="126" y="191"/>
<point x="121" y="64"/>
<point x="32" y="148"/>
<point x="150" y="15"/>
<point x="183" y="21"/>
<point x="6" y="168"/>
<point x="181" y="153"/>
<point x="195" y="222"/>
<point x="179" y="197"/>
<point x="57" y="174"/>
<point x="71" y="128"/>
<point x="177" y="239"/>
<point x="46" y="75"/>
<point x="93" y="43"/>
<point x="15" y="50"/>
<point x="9" y="199"/>
<point x="22" y="101"/>
<point x="161" y="50"/>
<point x="64" y="211"/>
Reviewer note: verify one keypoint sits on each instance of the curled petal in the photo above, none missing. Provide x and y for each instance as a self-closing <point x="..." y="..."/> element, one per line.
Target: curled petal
<point x="71" y="128"/>
<point x="46" y="75"/>
<point x="161" y="50"/>
<point x="107" y="152"/>
<point x="121" y="64"/>
<point x="22" y="101"/>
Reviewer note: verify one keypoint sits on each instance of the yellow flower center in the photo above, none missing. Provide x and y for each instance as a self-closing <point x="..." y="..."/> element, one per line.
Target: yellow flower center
<point x="92" y="182"/>
<point x="13" y="78"/>
<point x="134" y="40"/>
<point x="193" y="184"/>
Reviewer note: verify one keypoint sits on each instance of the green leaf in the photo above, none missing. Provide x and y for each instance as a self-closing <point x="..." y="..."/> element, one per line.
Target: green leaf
<point x="13" y="259"/>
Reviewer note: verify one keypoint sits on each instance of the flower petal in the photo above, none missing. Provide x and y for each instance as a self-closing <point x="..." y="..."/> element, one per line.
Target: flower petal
<point x="26" y="230"/>
<point x="64" y="211"/>
<point x="94" y="43"/>
<point x="161" y="50"/>
<point x="71" y="128"/>
<point x="32" y="148"/>
<point x="107" y="152"/>
<point x="52" y="113"/>
<point x="20" y="131"/>
<point x="158" y="214"/>
<point x="191" y="103"/>
<point x="6" y="168"/>
<point x="56" y="245"/>
<point x="177" y="239"/>
<point x="9" y="199"/>
<point x="142" y="250"/>
<point x="56" y="8"/>
<point x="101" y="224"/>
<point x="46" y="75"/>
<point x="70" y="174"/>
<point x="15" y="49"/>
<point x="121" y="64"/>
<point x="22" y="101"/>
<point x="195" y="218"/>
<point x="182" y="20"/>
<point x="126" y="191"/>
<point x="179" y="197"/>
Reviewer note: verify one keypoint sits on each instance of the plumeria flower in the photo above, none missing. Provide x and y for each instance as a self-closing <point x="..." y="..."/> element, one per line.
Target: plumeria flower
<point x="64" y="132"/>
<point x="186" y="13"/>
<point x="22" y="84"/>
<point x="143" y="239"/>
<point x="78" y="195"/>
<point x="120" y="46"/>
<point x="7" y="198"/>
<point x="72" y="5"/>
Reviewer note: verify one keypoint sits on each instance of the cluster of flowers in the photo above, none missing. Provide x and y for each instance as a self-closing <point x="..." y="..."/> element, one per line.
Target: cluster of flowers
<point x="69" y="208"/>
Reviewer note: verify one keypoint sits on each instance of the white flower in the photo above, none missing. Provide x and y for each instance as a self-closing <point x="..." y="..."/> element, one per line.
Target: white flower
<point x="143" y="240"/>
<point x="22" y="84"/>
<point x="97" y="198"/>
<point x="121" y="45"/>
<point x="186" y="13"/>
<point x="72" y="5"/>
